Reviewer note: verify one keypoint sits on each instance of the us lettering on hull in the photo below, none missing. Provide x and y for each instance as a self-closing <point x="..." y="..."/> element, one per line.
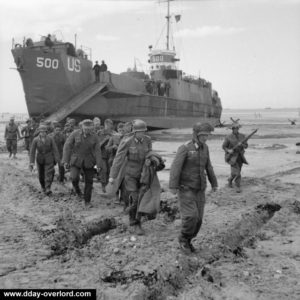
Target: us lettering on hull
<point x="74" y="64"/>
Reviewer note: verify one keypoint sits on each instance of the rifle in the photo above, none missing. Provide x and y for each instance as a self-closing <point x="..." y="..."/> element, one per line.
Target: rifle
<point x="228" y="156"/>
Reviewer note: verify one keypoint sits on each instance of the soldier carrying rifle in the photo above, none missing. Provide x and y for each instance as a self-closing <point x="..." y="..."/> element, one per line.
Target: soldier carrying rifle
<point x="234" y="146"/>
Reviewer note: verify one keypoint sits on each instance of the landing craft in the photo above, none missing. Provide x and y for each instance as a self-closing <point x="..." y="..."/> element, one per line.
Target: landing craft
<point x="58" y="81"/>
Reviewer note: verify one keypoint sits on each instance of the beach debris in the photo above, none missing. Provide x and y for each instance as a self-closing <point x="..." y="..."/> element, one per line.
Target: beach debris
<point x="293" y="122"/>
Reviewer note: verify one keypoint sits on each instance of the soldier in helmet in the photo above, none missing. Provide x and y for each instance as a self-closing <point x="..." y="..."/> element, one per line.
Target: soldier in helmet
<point x="237" y="158"/>
<point x="82" y="152"/>
<point x="47" y="156"/>
<point x="134" y="148"/>
<point x="188" y="174"/>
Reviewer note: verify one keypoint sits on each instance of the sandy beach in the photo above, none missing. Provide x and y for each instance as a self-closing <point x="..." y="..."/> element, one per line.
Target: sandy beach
<point x="248" y="246"/>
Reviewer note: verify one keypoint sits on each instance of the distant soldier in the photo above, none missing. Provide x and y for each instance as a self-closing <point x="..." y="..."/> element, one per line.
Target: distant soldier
<point x="135" y="149"/>
<point x="28" y="134"/>
<point x="11" y="135"/>
<point x="82" y="152"/>
<point x="59" y="139"/>
<point x="235" y="158"/>
<point x="188" y="174"/>
<point x="47" y="156"/>
<point x="97" y="125"/>
<point x="96" y="69"/>
<point x="128" y="129"/>
<point x="104" y="136"/>
<point x="112" y="147"/>
<point x="114" y="142"/>
<point x="69" y="127"/>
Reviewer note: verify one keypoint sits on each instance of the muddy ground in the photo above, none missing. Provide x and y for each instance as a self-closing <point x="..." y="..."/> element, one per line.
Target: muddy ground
<point x="248" y="247"/>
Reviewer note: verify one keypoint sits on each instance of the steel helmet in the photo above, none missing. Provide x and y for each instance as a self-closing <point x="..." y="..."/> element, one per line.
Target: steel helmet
<point x="139" y="125"/>
<point x="202" y="128"/>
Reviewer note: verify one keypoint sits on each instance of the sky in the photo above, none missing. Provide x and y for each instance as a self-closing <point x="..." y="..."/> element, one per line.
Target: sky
<point x="248" y="49"/>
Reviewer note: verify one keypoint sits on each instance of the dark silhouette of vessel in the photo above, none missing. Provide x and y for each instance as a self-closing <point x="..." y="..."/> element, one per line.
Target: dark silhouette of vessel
<point x="58" y="81"/>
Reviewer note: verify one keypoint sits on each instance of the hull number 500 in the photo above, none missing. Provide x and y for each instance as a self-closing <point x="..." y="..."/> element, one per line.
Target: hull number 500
<point x="47" y="63"/>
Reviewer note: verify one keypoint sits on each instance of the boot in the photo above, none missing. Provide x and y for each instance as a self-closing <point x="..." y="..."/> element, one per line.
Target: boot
<point x="139" y="230"/>
<point x="103" y="188"/>
<point x="48" y="192"/>
<point x="185" y="247"/>
<point x="230" y="182"/>
<point x="193" y="249"/>
<point x="238" y="189"/>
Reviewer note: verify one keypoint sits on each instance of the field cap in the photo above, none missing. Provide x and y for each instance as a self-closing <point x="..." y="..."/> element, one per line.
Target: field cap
<point x="108" y="121"/>
<point x="97" y="120"/>
<point x="203" y="128"/>
<point x="87" y="123"/>
<point x="43" y="127"/>
<point x="57" y="125"/>
<point x="71" y="121"/>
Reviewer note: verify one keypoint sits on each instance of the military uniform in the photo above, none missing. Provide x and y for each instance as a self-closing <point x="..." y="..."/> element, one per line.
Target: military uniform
<point x="134" y="150"/>
<point x="11" y="136"/>
<point x="112" y="147"/>
<point x="104" y="136"/>
<point x="28" y="134"/>
<point x="82" y="151"/>
<point x="47" y="156"/>
<point x="237" y="159"/>
<point x="59" y="139"/>
<point x="188" y="174"/>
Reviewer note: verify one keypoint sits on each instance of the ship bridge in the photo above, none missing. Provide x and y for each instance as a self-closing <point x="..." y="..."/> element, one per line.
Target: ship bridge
<point x="162" y="59"/>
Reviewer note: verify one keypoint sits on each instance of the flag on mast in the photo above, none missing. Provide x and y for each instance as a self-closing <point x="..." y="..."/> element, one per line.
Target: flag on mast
<point x="177" y="18"/>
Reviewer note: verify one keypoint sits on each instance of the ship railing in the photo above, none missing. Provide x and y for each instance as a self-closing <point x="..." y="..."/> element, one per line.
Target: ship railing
<point x="197" y="80"/>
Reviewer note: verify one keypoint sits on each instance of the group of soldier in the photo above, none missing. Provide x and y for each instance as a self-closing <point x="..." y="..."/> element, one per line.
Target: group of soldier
<point x="92" y="149"/>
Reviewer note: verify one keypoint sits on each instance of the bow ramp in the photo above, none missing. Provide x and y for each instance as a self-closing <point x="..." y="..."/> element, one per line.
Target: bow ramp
<point x="76" y="101"/>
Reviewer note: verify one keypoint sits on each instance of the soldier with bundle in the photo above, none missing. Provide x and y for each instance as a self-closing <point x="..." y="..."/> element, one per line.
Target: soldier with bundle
<point x="132" y="152"/>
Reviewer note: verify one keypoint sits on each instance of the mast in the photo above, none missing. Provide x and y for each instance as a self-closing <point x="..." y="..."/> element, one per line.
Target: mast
<point x="168" y="24"/>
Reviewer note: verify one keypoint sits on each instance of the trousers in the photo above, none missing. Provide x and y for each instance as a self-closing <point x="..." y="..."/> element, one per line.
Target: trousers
<point x="191" y="205"/>
<point x="88" y="181"/>
<point x="11" y="146"/>
<point x="46" y="174"/>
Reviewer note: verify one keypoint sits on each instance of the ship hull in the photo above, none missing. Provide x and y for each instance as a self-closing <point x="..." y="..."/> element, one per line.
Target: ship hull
<point x="51" y="78"/>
